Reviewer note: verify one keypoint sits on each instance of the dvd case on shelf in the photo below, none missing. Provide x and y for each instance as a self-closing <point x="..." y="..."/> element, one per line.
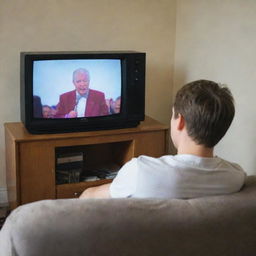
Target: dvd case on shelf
<point x="69" y="167"/>
<point x="72" y="168"/>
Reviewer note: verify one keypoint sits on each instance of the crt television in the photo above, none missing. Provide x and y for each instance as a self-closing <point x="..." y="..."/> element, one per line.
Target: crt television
<point x="82" y="91"/>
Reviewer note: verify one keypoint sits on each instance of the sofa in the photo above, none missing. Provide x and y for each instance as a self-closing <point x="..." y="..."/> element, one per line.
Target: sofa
<point x="209" y="226"/>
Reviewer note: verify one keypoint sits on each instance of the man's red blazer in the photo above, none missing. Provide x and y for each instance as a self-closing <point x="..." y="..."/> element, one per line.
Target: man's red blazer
<point x="95" y="106"/>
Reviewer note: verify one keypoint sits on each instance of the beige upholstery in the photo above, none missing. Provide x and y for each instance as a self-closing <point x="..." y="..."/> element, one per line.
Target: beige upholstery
<point x="218" y="225"/>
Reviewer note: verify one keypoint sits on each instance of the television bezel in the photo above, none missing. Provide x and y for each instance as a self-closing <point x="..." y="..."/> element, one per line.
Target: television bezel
<point x="132" y="93"/>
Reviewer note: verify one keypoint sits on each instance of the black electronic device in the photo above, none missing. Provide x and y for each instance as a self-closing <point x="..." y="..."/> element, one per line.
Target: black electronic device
<point x="45" y="76"/>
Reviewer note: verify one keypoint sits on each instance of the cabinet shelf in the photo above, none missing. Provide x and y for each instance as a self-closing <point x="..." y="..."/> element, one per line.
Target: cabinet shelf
<point x="31" y="159"/>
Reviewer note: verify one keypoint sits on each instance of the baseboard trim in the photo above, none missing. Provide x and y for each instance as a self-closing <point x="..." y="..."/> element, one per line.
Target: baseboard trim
<point x="3" y="196"/>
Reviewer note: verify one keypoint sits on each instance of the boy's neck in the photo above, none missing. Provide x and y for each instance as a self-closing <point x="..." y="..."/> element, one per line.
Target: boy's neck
<point x="192" y="148"/>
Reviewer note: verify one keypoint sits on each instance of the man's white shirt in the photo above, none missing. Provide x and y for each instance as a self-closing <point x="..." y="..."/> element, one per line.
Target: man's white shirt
<point x="178" y="176"/>
<point x="81" y="105"/>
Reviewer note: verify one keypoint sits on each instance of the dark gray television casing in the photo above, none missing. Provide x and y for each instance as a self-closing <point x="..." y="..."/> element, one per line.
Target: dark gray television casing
<point x="132" y="93"/>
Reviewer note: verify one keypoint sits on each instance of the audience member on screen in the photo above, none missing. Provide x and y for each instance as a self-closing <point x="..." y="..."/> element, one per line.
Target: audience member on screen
<point x="47" y="111"/>
<point x="117" y="105"/>
<point x="37" y="107"/>
<point x="114" y="105"/>
<point x="109" y="103"/>
<point x="83" y="101"/>
<point x="54" y="110"/>
<point x="202" y="113"/>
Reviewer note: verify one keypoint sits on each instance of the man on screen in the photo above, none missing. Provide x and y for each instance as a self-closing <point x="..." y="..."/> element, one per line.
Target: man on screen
<point x="83" y="101"/>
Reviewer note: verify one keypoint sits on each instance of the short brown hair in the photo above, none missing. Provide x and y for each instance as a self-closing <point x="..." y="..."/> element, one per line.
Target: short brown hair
<point x="208" y="110"/>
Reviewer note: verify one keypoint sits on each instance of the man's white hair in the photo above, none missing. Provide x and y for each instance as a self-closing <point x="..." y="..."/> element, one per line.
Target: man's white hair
<point x="81" y="71"/>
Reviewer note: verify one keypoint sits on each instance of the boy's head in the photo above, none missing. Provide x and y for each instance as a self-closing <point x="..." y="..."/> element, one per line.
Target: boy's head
<point x="208" y="110"/>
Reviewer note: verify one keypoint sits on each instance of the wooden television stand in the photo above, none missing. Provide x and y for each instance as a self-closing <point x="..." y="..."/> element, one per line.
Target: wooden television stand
<point x="31" y="159"/>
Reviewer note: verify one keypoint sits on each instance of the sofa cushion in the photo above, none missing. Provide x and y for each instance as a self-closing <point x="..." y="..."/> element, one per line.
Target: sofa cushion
<point x="212" y="226"/>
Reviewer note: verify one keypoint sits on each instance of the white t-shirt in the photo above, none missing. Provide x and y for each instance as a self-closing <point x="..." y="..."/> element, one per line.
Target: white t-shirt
<point x="178" y="176"/>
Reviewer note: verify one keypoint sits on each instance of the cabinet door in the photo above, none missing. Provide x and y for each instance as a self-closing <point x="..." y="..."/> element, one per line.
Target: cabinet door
<point x="37" y="171"/>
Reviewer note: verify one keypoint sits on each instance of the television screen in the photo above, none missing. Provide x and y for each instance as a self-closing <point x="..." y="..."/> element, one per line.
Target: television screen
<point x="76" y="88"/>
<point x="81" y="91"/>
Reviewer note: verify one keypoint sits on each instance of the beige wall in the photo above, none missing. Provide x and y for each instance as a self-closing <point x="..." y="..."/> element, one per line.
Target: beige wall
<point x="216" y="40"/>
<point x="52" y="25"/>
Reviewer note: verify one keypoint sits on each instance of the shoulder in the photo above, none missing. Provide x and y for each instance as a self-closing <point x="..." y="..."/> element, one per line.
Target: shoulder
<point x="232" y="175"/>
<point x="231" y="166"/>
<point x="153" y="163"/>
<point x="68" y="94"/>
<point x="167" y="160"/>
<point x="234" y="171"/>
<point x="157" y="168"/>
<point x="95" y="93"/>
<point x="124" y="184"/>
<point x="130" y="166"/>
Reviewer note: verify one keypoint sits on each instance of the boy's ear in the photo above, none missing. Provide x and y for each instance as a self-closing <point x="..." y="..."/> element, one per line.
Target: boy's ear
<point x="181" y="122"/>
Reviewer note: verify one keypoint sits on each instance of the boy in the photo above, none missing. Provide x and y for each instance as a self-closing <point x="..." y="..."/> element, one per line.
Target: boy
<point x="201" y="115"/>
